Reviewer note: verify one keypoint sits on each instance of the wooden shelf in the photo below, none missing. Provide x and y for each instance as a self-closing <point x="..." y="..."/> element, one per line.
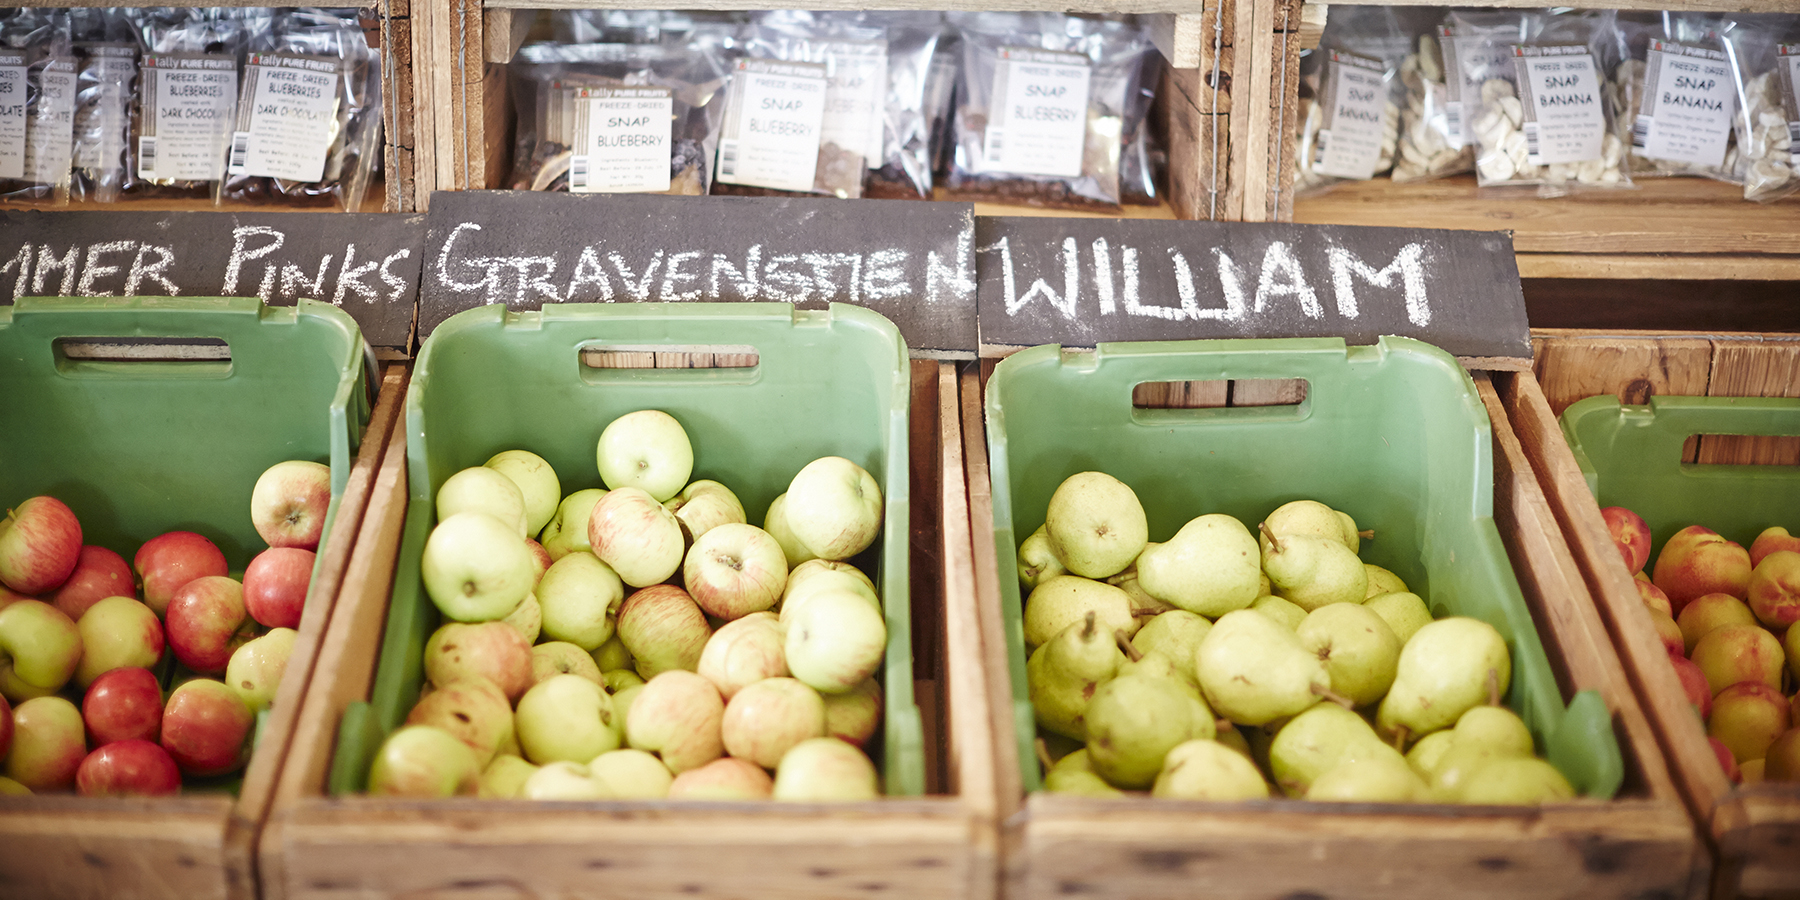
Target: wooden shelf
<point x="1668" y="228"/>
<point x="1659" y="5"/>
<point x="374" y="201"/>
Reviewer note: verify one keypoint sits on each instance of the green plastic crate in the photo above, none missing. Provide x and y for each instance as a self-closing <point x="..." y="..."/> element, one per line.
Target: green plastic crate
<point x="1631" y="456"/>
<point x="832" y="382"/>
<point x="1393" y="434"/>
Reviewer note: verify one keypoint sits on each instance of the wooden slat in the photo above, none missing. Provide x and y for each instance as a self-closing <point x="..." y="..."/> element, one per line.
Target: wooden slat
<point x="1670" y="266"/>
<point x="1181" y="38"/>
<point x="1753" y="368"/>
<point x="1694" y="5"/>
<point x="925" y="479"/>
<point x="1632" y="369"/>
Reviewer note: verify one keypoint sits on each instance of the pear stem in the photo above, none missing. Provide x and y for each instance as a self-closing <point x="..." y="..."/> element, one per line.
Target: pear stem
<point x="1147" y="612"/>
<point x="1401" y="733"/>
<point x="1274" y="542"/>
<point x="1087" y="626"/>
<point x="1334" y="697"/>
<point x="1043" y="755"/>
<point x="1125" y="646"/>
<point x="1493" y="686"/>
<point x="1367" y="534"/>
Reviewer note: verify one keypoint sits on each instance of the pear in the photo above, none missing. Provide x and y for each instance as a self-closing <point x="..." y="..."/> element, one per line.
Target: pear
<point x="1360" y="651"/>
<point x="1424" y="755"/>
<point x="1317" y="741"/>
<point x="1253" y="670"/>
<point x="1522" y="780"/>
<point x="1312" y="518"/>
<point x="1037" y="562"/>
<point x="1064" y="673"/>
<point x="1175" y="634"/>
<point x="1382" y="581"/>
<point x="1096" y="524"/>
<point x="1159" y="665"/>
<point x="1374" y="779"/>
<point x="1141" y="603"/>
<point x="1062" y="601"/>
<point x="1314" y="571"/>
<point x="1134" y="721"/>
<point x="1228" y="735"/>
<point x="1404" y="612"/>
<point x="1074" y="775"/>
<point x="1210" y="567"/>
<point x="1457" y="766"/>
<point x="1208" y="770"/>
<point x="1058" y="746"/>
<point x="1283" y="611"/>
<point x="1495" y="727"/>
<point x="1443" y="673"/>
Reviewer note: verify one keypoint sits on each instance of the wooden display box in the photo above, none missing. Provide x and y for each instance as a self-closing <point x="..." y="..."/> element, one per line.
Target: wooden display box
<point x="1753" y="831"/>
<point x="941" y="846"/>
<point x="1641" y="844"/>
<point x="193" y="847"/>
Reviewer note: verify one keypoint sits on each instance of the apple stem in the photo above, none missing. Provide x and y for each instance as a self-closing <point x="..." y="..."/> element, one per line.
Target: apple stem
<point x="1125" y="646"/>
<point x="1274" y="542"/>
<point x="1334" y="696"/>
<point x="1367" y="534"/>
<point x="1493" y="686"/>
<point x="1401" y="732"/>
<point x="1043" y="755"/>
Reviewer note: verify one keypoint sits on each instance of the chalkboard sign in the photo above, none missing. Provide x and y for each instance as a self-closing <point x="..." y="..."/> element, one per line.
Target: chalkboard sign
<point x="366" y="263"/>
<point x="912" y="262"/>
<point x="1077" y="282"/>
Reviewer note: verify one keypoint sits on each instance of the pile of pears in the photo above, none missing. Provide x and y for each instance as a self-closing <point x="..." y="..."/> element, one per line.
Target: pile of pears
<point x="1223" y="664"/>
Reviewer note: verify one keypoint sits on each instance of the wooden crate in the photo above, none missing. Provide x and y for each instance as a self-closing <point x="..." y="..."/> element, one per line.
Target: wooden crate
<point x="1641" y="844"/>
<point x="943" y="845"/>
<point x="192" y="847"/>
<point x="1754" y="831"/>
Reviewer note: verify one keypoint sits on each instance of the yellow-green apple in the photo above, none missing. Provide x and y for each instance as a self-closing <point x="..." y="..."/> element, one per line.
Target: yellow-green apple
<point x="565" y="718"/>
<point x="567" y="532"/>
<point x="735" y="569"/>
<point x="99" y="573"/>
<point x="1654" y="597"/>
<point x="123" y="705"/>
<point x="561" y="780"/>
<point x="476" y="568"/>
<point x="1696" y="561"/>
<point x="1770" y="540"/>
<point x="207" y="621"/>
<point x="168" y="561"/>
<point x="743" y="652"/>
<point x="1748" y="717"/>
<point x="1727" y="761"/>
<point x="647" y="449"/>
<point x="612" y="654"/>
<point x="1037" y="561"/>
<point x="206" y="727"/>
<point x="631" y="532"/>
<point x="775" y="522"/>
<point x="1693" y="681"/>
<point x="40" y="545"/>
<point x="726" y="778"/>
<point x="833" y="507"/>
<point x="134" y="768"/>
<point x="630" y="775"/>
<point x="768" y="718"/>
<point x="540" y="560"/>
<point x="617" y="680"/>
<point x="819" y="574"/>
<point x="117" y="633"/>
<point x="853" y="715"/>
<point x="578" y="598"/>
<point x="275" y="586"/>
<point x="622" y="701"/>
<point x="1775" y="590"/>
<point x="256" y="668"/>
<point x="677" y="716"/>
<point x="1735" y="653"/>
<point x="1097" y="526"/>
<point x="1630" y="533"/>
<point x="289" y="503"/>
<point x="1782" y="760"/>
<point x="527" y="618"/>
<point x="554" y="658"/>
<point x="705" y="505"/>
<point x="48" y="744"/>
<point x="492" y="650"/>
<point x="39" y="650"/>
<point x="1703" y="614"/>
<point x="425" y="762"/>
<point x="1668" y="631"/>
<point x="537" y="483"/>
<point x="835" y="641"/>
<point x="484" y="490"/>
<point x="475" y="710"/>
<point x="825" y="769"/>
<point x="663" y="628"/>
<point x="505" y="777"/>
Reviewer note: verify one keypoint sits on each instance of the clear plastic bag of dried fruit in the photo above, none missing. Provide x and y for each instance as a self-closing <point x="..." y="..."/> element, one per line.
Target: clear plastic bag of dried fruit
<point x="185" y="97"/>
<point x="1675" y="95"/>
<point x="1444" y="80"/>
<point x="1545" y="121"/>
<point x="1764" y="51"/>
<point x="1042" y="101"/>
<point x="308" y="123"/>
<point x="37" y="106"/>
<point x="105" y="76"/>
<point x="1349" y="116"/>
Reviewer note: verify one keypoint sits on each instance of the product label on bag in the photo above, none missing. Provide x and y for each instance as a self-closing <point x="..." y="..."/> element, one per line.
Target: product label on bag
<point x="1037" y="122"/>
<point x="188" y="103"/>
<point x="287" y="117"/>
<point x="1349" y="145"/>
<point x="108" y="69"/>
<point x="1560" y="89"/>
<point x="50" y="135"/>
<point x="854" y="90"/>
<point x="1690" y="97"/>
<point x="1787" y="58"/>
<point x="1469" y="60"/>
<point x="12" y="114"/>
<point x="621" y="140"/>
<point x="773" y="125"/>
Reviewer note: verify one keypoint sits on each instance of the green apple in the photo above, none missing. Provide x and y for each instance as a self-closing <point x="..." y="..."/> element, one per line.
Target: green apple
<point x="630" y="775"/>
<point x="561" y="780"/>
<point x="527" y="619"/>
<point x="567" y="530"/>
<point x="723" y="779"/>
<point x="537" y="483"/>
<point x="578" y="598"/>
<point x="835" y="641"/>
<point x="476" y="568"/>
<point x="566" y="718"/>
<point x="854" y="715"/>
<point x="48" y="744"/>
<point x="117" y="633"/>
<point x="647" y="449"/>
<point x="705" y="505"/>
<point x="554" y="658"/>
<point x="40" y="649"/>
<point x="256" y="668"/>
<point x="825" y="769"/>
<point x="481" y="489"/>
<point x="817" y="574"/>
<point x="768" y="718"/>
<point x="426" y="762"/>
<point x="776" y="524"/>
<point x="833" y="508"/>
<point x="743" y="652"/>
<point x="505" y="777"/>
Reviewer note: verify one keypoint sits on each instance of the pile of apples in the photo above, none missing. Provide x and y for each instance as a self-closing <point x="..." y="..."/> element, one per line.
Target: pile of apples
<point x="1218" y="665"/>
<point x="82" y="637"/>
<point x="1726" y="616"/>
<point x="651" y="643"/>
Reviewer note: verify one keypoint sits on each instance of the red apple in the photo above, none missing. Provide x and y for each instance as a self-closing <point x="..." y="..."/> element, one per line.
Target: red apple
<point x="39" y="650"/>
<point x="8" y="596"/>
<point x="1653" y="597"/>
<point x="207" y="621"/>
<point x="1630" y="533"/>
<point x="492" y="650"/>
<point x="134" y="768"/>
<point x="735" y="569"/>
<point x="48" y="744"/>
<point x="123" y="705"/>
<point x="475" y="710"/>
<point x="1697" y="561"/>
<point x="1726" y="760"/>
<point x="1770" y="540"/>
<point x="169" y="561"/>
<point x="664" y="629"/>
<point x="100" y="573"/>
<point x="275" y="586"/>
<point x="1693" y="681"/>
<point x="117" y="633"/>
<point x="289" y="503"/>
<point x="540" y="558"/>
<point x="40" y="545"/>
<point x="1775" y="589"/>
<point x="206" y="728"/>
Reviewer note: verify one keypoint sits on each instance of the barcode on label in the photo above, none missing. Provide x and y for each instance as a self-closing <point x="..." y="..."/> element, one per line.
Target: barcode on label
<point x="1794" y="135"/>
<point x="1640" y="133"/>
<point x="1320" y="142"/>
<point x="147" y="156"/>
<point x="240" y="152"/>
<point x="1531" y="144"/>
<point x="996" y="144"/>
<point x="578" y="173"/>
<point x="728" y="158"/>
<point x="1453" y="123"/>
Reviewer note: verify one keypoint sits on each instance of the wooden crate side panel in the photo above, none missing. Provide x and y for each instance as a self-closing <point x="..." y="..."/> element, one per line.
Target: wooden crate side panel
<point x="1743" y="367"/>
<point x="56" y="847"/>
<point x="1199" y="151"/>
<point x="1634" y="369"/>
<point x="400" y="112"/>
<point x="1761" y="837"/>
